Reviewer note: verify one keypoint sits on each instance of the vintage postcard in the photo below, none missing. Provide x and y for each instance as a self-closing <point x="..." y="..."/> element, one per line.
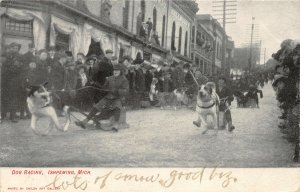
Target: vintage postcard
<point x="150" y="95"/>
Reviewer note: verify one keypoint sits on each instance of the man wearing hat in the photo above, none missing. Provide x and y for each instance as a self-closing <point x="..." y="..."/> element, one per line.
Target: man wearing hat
<point x="91" y="68"/>
<point x="80" y="60"/>
<point x="177" y="75"/>
<point x="117" y="87"/>
<point x="105" y="67"/>
<point x="10" y="74"/>
<point x="69" y="56"/>
<point x="59" y="72"/>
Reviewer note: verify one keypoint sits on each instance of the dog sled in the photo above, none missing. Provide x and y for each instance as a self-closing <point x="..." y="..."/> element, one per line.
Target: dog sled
<point x="248" y="99"/>
<point x="72" y="106"/>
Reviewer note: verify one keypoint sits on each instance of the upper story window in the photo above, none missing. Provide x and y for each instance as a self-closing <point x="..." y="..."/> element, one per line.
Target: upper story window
<point x="179" y="40"/>
<point x="17" y="27"/>
<point x="193" y="34"/>
<point x="154" y="19"/>
<point x="143" y="9"/>
<point x="126" y="14"/>
<point x="185" y="43"/>
<point x="163" y="31"/>
<point x="173" y="48"/>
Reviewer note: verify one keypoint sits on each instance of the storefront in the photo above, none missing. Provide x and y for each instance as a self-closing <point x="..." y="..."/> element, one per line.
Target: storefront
<point x="92" y="38"/>
<point x="24" y="27"/>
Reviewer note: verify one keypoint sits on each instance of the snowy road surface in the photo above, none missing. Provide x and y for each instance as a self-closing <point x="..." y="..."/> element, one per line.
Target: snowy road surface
<point x="156" y="138"/>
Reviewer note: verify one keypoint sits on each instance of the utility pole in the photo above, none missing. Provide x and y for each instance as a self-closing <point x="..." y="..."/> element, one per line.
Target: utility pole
<point x="250" y="58"/>
<point x="265" y="57"/>
<point x="222" y="9"/>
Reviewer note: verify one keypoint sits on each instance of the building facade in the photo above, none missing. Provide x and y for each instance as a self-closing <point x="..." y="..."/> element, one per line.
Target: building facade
<point x="95" y="26"/>
<point x="219" y="48"/>
<point x="202" y="48"/>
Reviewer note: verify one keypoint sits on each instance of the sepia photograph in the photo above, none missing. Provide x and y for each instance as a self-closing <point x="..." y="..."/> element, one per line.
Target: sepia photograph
<point x="150" y="83"/>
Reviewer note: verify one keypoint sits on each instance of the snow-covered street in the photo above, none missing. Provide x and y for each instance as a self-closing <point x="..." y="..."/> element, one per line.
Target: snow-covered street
<point x="156" y="138"/>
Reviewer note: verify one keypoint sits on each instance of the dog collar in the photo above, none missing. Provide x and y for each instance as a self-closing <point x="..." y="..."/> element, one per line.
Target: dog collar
<point x="207" y="106"/>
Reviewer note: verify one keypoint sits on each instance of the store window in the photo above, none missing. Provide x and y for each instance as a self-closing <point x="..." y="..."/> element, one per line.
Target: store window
<point x="185" y="43"/>
<point x="193" y="34"/>
<point x="17" y="31"/>
<point x="143" y="9"/>
<point x="62" y="41"/>
<point x="95" y="49"/>
<point x="126" y="14"/>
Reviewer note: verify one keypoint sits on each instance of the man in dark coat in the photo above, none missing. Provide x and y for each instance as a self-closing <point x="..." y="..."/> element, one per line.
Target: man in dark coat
<point x="177" y="76"/>
<point x="80" y="60"/>
<point x="91" y="69"/>
<point x="52" y="59"/>
<point x="189" y="80"/>
<point x="226" y="97"/>
<point x="59" y="73"/>
<point x="30" y="56"/>
<point x="117" y="87"/>
<point x="4" y="82"/>
<point x="105" y="68"/>
<point x="14" y="86"/>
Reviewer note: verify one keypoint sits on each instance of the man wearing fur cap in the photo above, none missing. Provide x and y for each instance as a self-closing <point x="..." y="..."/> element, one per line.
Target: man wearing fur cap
<point x="117" y="87"/>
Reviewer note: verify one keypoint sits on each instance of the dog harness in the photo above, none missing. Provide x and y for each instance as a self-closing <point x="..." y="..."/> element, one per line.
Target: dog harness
<point x="207" y="106"/>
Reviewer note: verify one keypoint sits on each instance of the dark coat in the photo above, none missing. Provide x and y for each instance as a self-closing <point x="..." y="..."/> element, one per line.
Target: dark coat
<point x="70" y="80"/>
<point x="148" y="80"/>
<point x="14" y="85"/>
<point x="131" y="77"/>
<point x="118" y="88"/>
<point x="50" y="78"/>
<point x="177" y="78"/>
<point x="51" y="62"/>
<point x="59" y="76"/>
<point x="140" y="81"/>
<point x="225" y="93"/>
<point x="105" y="70"/>
<point x="160" y="85"/>
<point x="188" y="79"/>
<point x="29" y="57"/>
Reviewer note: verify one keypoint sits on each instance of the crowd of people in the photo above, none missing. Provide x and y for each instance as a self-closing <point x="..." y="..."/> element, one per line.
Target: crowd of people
<point x="63" y="73"/>
<point x="286" y="86"/>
